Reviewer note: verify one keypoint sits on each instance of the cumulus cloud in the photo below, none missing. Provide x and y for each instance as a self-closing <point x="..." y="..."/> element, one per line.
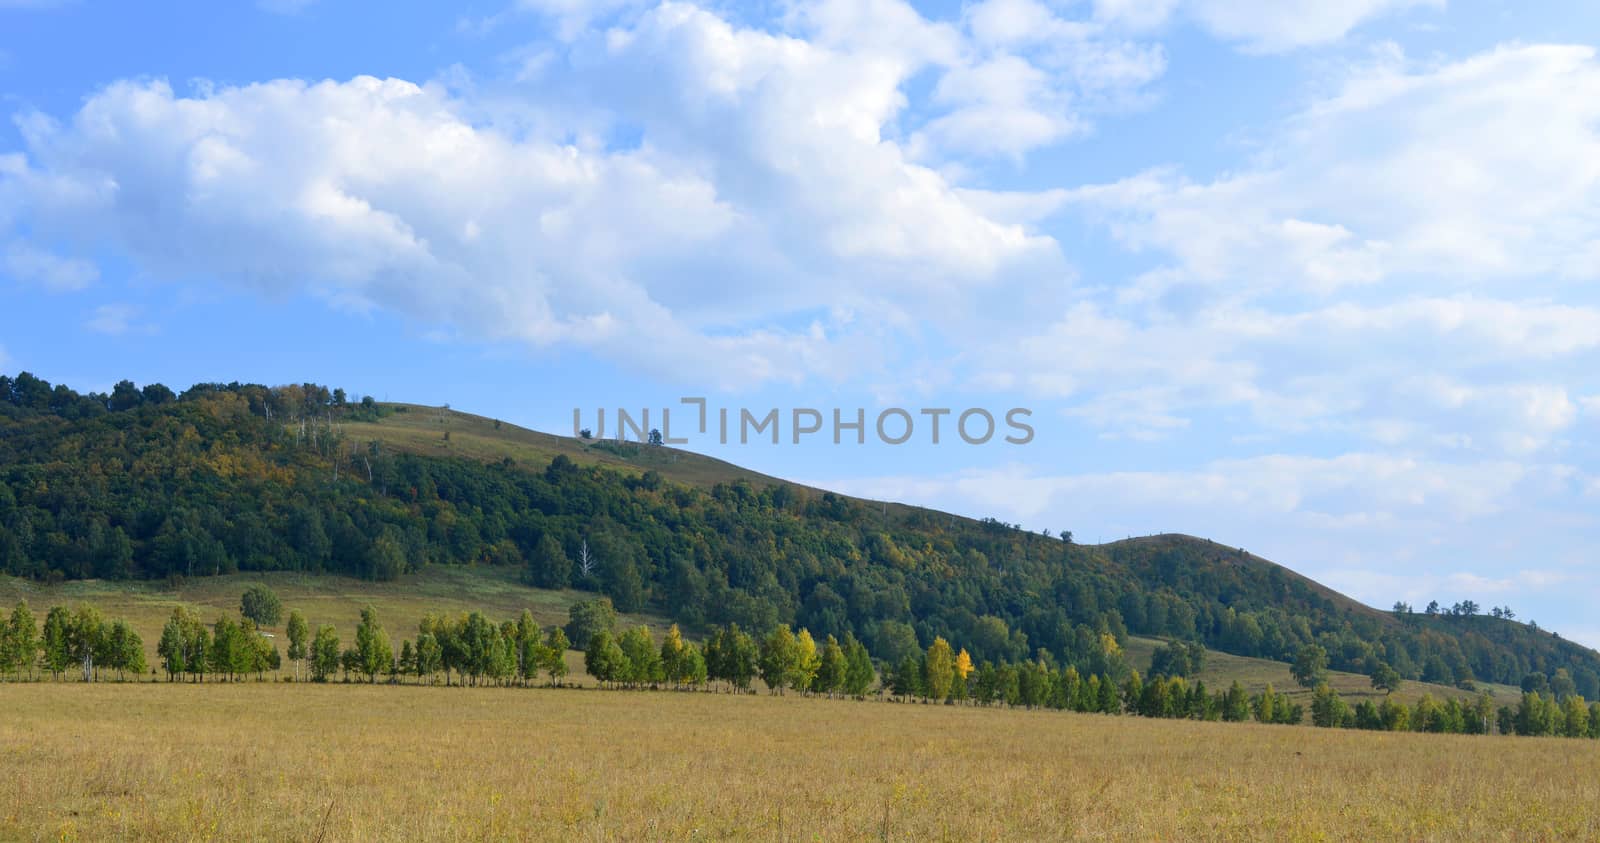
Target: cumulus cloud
<point x="30" y="264"/>
<point x="1406" y="261"/>
<point x="757" y="154"/>
<point x="1265" y="26"/>
<point x="116" y="320"/>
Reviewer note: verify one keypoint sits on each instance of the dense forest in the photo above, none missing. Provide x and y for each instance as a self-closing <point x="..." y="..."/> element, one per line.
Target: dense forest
<point x="146" y="483"/>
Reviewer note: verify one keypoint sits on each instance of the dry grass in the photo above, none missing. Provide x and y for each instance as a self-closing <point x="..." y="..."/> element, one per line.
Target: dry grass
<point x="324" y="599"/>
<point x="275" y="761"/>
<point x="420" y="430"/>
<point x="1221" y="669"/>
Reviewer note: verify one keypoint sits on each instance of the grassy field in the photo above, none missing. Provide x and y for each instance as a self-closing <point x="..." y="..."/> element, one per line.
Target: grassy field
<point x="421" y="430"/>
<point x="1221" y="669"/>
<point x="266" y="761"/>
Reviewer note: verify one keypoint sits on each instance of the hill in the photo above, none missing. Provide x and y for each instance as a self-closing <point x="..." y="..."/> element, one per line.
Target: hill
<point x="144" y="485"/>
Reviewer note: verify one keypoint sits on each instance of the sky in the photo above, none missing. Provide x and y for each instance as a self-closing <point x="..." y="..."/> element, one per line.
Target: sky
<point x="1313" y="279"/>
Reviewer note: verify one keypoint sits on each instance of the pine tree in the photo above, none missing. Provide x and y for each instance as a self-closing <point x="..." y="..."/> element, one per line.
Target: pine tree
<point x="859" y="673"/>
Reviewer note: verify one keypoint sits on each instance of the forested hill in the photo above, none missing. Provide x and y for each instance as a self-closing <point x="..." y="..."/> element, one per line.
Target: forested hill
<point x="144" y="483"/>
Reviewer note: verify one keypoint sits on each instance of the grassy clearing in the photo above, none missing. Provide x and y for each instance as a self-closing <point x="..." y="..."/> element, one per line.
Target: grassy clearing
<point x="324" y="599"/>
<point x="420" y="430"/>
<point x="1221" y="669"/>
<point x="276" y="761"/>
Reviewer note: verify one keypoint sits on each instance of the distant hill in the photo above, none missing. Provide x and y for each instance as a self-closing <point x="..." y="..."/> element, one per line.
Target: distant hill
<point x="146" y="484"/>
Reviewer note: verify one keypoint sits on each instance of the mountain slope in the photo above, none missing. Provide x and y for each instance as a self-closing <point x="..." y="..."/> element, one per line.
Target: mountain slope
<point x="144" y="484"/>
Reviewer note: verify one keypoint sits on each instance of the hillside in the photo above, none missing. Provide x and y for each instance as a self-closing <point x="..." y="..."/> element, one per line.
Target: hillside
<point x="146" y="485"/>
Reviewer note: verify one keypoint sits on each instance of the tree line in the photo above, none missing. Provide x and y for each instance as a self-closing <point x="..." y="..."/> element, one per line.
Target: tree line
<point x="471" y="650"/>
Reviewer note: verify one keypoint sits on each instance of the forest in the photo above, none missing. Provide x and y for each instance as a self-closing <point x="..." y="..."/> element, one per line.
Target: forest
<point x="146" y="483"/>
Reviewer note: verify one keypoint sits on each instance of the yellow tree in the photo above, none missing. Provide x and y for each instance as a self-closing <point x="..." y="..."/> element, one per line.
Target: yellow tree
<point x="806" y="664"/>
<point x="673" y="663"/>
<point x="963" y="669"/>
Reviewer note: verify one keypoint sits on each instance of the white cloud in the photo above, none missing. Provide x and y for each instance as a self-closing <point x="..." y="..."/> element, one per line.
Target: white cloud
<point x="1407" y="261"/>
<point x="115" y="320"/>
<point x="1475" y="171"/>
<point x="28" y="263"/>
<point x="1265" y="26"/>
<point x="1276" y="25"/>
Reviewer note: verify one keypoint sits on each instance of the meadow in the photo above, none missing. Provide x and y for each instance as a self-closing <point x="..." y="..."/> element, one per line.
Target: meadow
<point x="260" y="761"/>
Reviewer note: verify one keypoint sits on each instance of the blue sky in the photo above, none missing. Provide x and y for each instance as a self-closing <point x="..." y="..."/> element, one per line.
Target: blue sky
<point x="1314" y="279"/>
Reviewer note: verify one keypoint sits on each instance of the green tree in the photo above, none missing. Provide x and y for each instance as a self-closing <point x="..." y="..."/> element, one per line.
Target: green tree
<point x="859" y="673"/>
<point x="125" y="650"/>
<point x="642" y="657"/>
<point x="1327" y="709"/>
<point x="1310" y="667"/>
<point x="299" y="637"/>
<point x="230" y="653"/>
<point x="86" y="639"/>
<point x="604" y="659"/>
<point x="555" y="650"/>
<point x="548" y="565"/>
<point x="831" y="668"/>
<point x="938" y="666"/>
<point x="56" y="641"/>
<point x="430" y="656"/>
<point x="21" y="651"/>
<point x="906" y="680"/>
<point x="261" y="604"/>
<point x="1385" y="678"/>
<point x="780" y="654"/>
<point x="587" y="617"/>
<point x="325" y="654"/>
<point x="373" y="650"/>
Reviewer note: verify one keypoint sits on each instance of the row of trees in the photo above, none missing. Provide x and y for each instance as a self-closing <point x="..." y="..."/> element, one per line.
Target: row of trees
<point x="81" y="638"/>
<point x="469" y="649"/>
